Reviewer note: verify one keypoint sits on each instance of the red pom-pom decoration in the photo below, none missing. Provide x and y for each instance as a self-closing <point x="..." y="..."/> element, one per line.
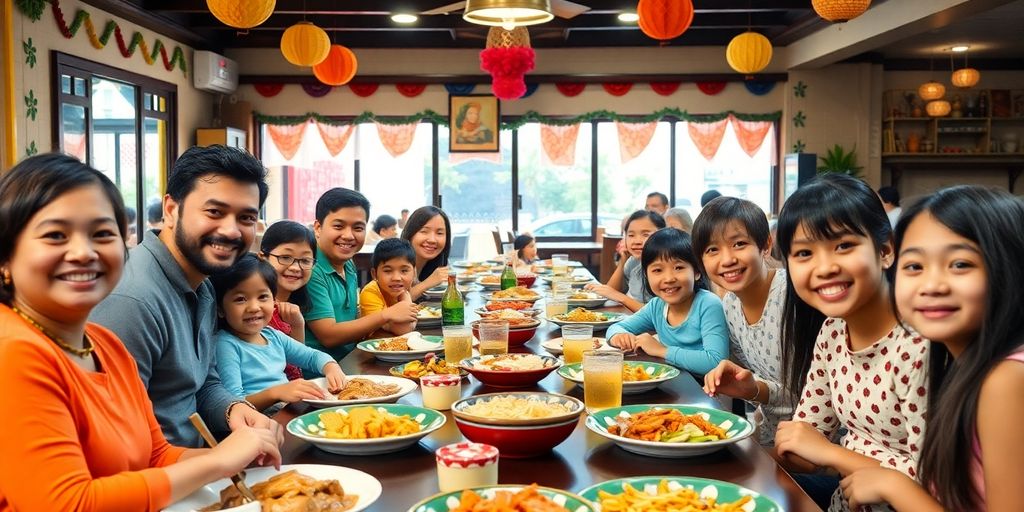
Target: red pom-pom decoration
<point x="507" y="67"/>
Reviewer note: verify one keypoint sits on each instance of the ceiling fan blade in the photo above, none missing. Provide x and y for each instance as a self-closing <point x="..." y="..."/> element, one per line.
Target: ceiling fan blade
<point x="446" y="9"/>
<point x="567" y="9"/>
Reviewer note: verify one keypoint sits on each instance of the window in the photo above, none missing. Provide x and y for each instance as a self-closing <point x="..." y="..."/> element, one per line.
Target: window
<point x="555" y="198"/>
<point x="623" y="187"/>
<point x="392" y="183"/>
<point x="121" y="123"/>
<point x="297" y="183"/>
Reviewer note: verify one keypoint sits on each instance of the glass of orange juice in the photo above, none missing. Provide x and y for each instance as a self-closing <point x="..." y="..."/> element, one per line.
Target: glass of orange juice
<point x="458" y="343"/>
<point x="576" y="339"/>
<point x="602" y="379"/>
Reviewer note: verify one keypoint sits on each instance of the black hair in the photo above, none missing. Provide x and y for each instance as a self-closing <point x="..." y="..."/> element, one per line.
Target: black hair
<point x="247" y="265"/>
<point x="391" y="248"/>
<point x="338" y="198"/>
<point x="671" y="244"/>
<point x="198" y="162"/>
<point x="36" y="182"/>
<point x="825" y="207"/>
<point x="992" y="219"/>
<point x="417" y="220"/>
<point x="660" y="196"/>
<point x="130" y="214"/>
<point x="709" y="196"/>
<point x="289" y="232"/>
<point x="521" y="242"/>
<point x="155" y="212"/>
<point x="716" y="216"/>
<point x="383" y="222"/>
<point x="889" y="195"/>
<point x="654" y="217"/>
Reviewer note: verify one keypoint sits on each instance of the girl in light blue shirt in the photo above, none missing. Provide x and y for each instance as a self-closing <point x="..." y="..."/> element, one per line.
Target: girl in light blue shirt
<point x="688" y="319"/>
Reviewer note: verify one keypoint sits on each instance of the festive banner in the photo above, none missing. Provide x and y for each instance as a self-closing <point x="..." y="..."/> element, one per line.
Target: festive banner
<point x="665" y="88"/>
<point x="634" y="138"/>
<point x="570" y="89"/>
<point x="530" y="89"/>
<point x="759" y="88"/>
<point x="559" y="143"/>
<point x="707" y="136"/>
<point x="411" y="90"/>
<point x="335" y="137"/>
<point x="268" y="90"/>
<point x="617" y="88"/>
<point x="396" y="139"/>
<point x="317" y="90"/>
<point x="459" y="88"/>
<point x="363" y="90"/>
<point x="711" y="88"/>
<point x="750" y="134"/>
<point x="287" y="138"/>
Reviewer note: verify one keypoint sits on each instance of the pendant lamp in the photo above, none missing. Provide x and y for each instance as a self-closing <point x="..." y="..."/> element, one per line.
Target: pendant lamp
<point x="508" y="14"/>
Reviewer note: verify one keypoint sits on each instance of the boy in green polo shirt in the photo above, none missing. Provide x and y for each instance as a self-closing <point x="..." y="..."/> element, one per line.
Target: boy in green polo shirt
<point x="332" y="322"/>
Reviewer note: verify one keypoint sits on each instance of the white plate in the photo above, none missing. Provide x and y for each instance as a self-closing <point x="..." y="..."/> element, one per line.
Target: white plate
<point x="554" y="345"/>
<point x="353" y="481"/>
<point x="406" y="386"/>
<point x="576" y="281"/>
<point x="429" y="321"/>
<point x="400" y="356"/>
<point x="491" y="297"/>
<point x="488" y="286"/>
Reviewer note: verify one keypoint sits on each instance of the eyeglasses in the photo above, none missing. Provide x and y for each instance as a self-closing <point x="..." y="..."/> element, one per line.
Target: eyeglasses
<point x="287" y="261"/>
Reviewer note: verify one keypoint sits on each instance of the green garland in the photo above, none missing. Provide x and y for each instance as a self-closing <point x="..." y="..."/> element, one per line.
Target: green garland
<point x="531" y="116"/>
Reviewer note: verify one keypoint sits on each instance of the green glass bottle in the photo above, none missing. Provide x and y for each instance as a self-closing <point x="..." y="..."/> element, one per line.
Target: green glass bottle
<point x="508" y="277"/>
<point x="453" y="308"/>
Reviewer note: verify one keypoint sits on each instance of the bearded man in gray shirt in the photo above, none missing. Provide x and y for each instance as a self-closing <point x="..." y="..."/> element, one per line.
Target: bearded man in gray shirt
<point x="164" y="308"/>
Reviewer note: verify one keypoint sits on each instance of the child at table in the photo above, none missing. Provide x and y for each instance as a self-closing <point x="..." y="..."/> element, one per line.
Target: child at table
<point x="628" y="276"/>
<point x="393" y="267"/>
<point x="250" y="355"/>
<point x="688" y="319"/>
<point x="856" y="366"/>
<point x="958" y="282"/>
<point x="732" y="237"/>
<point x="526" y="249"/>
<point x="290" y="248"/>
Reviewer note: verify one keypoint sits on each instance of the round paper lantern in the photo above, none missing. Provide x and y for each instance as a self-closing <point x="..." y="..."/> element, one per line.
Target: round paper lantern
<point x="338" y="68"/>
<point x="243" y="14"/>
<point x="965" y="77"/>
<point x="305" y="44"/>
<point x="840" y="11"/>
<point x="664" y="19"/>
<point x="938" y="108"/>
<point x="931" y="91"/>
<point x="749" y="53"/>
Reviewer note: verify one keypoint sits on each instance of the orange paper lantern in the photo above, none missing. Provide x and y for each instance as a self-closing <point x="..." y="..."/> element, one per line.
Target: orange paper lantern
<point x="938" y="108"/>
<point x="749" y="53"/>
<point x="338" y="68"/>
<point x="840" y="11"/>
<point x="931" y="90"/>
<point x="965" y="78"/>
<point x="305" y="44"/>
<point x="241" y="14"/>
<point x="664" y="19"/>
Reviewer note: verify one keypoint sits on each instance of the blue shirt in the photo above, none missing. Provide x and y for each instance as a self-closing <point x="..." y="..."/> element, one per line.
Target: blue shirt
<point x="246" y="368"/>
<point x="696" y="345"/>
<point x="332" y="295"/>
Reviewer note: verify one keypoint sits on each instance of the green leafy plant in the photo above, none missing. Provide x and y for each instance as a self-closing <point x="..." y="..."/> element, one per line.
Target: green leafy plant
<point x="838" y="160"/>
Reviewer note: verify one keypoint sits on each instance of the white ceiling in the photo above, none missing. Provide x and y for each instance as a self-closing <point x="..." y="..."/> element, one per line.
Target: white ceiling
<point x="996" y="33"/>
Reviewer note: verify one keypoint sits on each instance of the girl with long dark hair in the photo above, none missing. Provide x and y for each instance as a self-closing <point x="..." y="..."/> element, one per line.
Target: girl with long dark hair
<point x="430" y="233"/>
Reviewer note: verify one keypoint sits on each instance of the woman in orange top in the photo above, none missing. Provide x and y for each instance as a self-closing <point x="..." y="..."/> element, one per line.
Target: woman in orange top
<point x="79" y="431"/>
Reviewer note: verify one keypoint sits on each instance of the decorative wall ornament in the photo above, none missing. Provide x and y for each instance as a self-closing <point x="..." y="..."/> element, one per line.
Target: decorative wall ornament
<point x="799" y="119"/>
<point x="617" y="88"/>
<point x="31" y="105"/>
<point x="570" y="89"/>
<point x="30" y="52"/>
<point x="31" y="149"/>
<point x="410" y="90"/>
<point x="800" y="89"/>
<point x="758" y="88"/>
<point x="268" y="90"/>
<point x="474" y="122"/>
<point x="363" y="90"/>
<point x="459" y="88"/>
<point x="665" y="88"/>
<point x="317" y="90"/>
<point x="508" y="57"/>
<point x="33" y="9"/>
<point x="711" y="88"/>
<point x="799" y="146"/>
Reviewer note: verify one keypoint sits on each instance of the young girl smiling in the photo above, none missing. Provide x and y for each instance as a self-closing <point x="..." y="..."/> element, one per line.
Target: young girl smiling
<point x="628" y="275"/>
<point x="290" y="248"/>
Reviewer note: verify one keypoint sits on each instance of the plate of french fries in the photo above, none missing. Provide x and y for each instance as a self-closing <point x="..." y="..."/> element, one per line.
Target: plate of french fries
<point x="366" y="429"/>
<point x="637" y="377"/>
<point x="668" y="493"/>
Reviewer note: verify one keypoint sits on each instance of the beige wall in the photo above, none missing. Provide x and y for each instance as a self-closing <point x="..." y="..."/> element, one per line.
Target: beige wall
<point x="194" y="106"/>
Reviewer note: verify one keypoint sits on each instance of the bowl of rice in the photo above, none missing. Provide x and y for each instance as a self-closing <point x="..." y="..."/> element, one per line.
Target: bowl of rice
<point x="510" y="370"/>
<point x="519" y="424"/>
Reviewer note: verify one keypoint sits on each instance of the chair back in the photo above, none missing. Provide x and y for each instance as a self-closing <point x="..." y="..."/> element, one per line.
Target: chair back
<point x="607" y="265"/>
<point x="497" y="240"/>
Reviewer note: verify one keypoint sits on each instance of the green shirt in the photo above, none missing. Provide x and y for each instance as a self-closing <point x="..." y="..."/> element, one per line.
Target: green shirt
<point x="332" y="295"/>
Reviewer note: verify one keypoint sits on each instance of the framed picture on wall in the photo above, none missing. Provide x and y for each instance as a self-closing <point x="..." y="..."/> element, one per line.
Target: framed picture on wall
<point x="473" y="123"/>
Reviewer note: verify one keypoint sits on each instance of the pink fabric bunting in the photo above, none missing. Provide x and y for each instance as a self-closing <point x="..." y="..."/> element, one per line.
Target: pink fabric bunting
<point x="559" y="143"/>
<point x="335" y="137"/>
<point x="634" y="138"/>
<point x="750" y="134"/>
<point x="287" y="138"/>
<point x="707" y="136"/>
<point x="396" y="138"/>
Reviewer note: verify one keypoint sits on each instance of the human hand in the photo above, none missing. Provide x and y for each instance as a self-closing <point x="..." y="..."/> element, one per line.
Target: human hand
<point x="871" y="485"/>
<point x="651" y="346"/>
<point x="438" y="276"/>
<point x="603" y="290"/>
<point x="801" y="439"/>
<point x="335" y="377"/>
<point x="730" y="379"/>
<point x="298" y="390"/>
<point x="291" y="315"/>
<point x="241" y="416"/>
<point x="244" y="446"/>
<point x="404" y="311"/>
<point x="623" y="340"/>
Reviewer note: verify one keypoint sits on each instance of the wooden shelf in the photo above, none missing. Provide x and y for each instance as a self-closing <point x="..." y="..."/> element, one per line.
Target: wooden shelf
<point x="898" y="163"/>
<point x="918" y="119"/>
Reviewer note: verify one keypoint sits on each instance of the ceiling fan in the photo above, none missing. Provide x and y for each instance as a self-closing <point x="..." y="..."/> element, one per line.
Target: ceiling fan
<point x="560" y="8"/>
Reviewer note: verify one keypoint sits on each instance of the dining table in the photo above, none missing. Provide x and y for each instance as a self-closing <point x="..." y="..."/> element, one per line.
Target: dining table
<point x="584" y="459"/>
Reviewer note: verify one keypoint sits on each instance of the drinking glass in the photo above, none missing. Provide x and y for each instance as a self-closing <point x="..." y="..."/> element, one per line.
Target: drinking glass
<point x="493" y="337"/>
<point x="561" y="286"/>
<point x="602" y="379"/>
<point x="458" y="343"/>
<point x="559" y="264"/>
<point x="555" y="306"/>
<point x="576" y="339"/>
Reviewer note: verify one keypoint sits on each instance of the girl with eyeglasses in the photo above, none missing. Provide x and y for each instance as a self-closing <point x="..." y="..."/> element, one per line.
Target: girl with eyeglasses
<point x="290" y="248"/>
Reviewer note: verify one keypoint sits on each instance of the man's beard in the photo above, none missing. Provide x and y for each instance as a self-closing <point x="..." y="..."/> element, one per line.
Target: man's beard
<point x="192" y="249"/>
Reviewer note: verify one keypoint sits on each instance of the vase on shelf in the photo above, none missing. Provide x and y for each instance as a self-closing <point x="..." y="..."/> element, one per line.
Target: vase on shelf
<point x="913" y="143"/>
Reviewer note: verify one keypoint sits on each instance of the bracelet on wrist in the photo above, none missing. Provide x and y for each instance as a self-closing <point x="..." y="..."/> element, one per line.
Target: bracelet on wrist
<point x="757" y="393"/>
<point x="227" y="412"/>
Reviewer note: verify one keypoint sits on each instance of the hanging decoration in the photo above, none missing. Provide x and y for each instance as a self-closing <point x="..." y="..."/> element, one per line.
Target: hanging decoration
<point x="459" y="89"/>
<point x="665" y="88"/>
<point x="634" y="138"/>
<point x="530" y="89"/>
<point x="559" y="143"/>
<point x="664" y="20"/>
<point x="241" y="14"/>
<point x="305" y="44"/>
<point x="287" y="138"/>
<point x="335" y="137"/>
<point x="749" y="53"/>
<point x="799" y="119"/>
<point x="617" y="88"/>
<point x="30" y="52"/>
<point x="570" y="89"/>
<point x="508" y="57"/>
<point x="127" y="50"/>
<point x="750" y="134"/>
<point x="711" y="88"/>
<point x="268" y="90"/>
<point x="338" y="68"/>
<point x="411" y="90"/>
<point x="938" y="108"/>
<point x="363" y="90"/>
<point x="931" y="90"/>
<point x="965" y="78"/>
<point x="31" y="105"/>
<point x="317" y="90"/>
<point x="707" y="136"/>
<point x="758" y="88"/>
<point x="840" y="11"/>
<point x="396" y="138"/>
<point x="31" y="8"/>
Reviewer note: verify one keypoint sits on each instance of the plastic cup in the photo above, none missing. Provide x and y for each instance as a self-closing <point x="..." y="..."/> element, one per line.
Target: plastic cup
<point x="493" y="337"/>
<point x="559" y="264"/>
<point x="555" y="306"/>
<point x="458" y="343"/>
<point x="602" y="380"/>
<point x="576" y="339"/>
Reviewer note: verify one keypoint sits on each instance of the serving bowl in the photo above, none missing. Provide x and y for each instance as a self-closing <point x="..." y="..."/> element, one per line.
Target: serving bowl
<point x="509" y="378"/>
<point x="526" y="280"/>
<point x="460" y="409"/>
<point x="517" y="442"/>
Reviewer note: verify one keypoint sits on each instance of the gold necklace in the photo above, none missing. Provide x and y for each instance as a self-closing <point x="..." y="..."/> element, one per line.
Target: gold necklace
<point x="80" y="352"/>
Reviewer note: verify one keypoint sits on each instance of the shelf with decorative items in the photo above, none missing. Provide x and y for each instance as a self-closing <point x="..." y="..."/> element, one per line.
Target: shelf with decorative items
<point x="978" y="122"/>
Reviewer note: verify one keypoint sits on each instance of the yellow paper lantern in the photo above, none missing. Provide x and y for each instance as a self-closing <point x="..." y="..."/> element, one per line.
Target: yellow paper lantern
<point x="931" y="91"/>
<point x="840" y="11"/>
<point x="242" y="14"/>
<point x="749" y="53"/>
<point x="938" y="108"/>
<point x="965" y="78"/>
<point x="305" y="44"/>
<point x="338" y="68"/>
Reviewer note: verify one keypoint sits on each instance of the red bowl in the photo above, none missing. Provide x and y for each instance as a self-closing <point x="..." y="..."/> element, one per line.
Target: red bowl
<point x="517" y="336"/>
<point x="526" y="280"/>
<point x="510" y="379"/>
<point x="518" y="442"/>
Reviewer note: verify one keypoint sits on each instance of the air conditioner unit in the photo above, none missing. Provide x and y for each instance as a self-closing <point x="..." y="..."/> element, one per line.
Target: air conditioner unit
<point x="213" y="72"/>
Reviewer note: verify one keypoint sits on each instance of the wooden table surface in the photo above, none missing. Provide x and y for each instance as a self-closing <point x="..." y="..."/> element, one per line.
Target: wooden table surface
<point x="583" y="459"/>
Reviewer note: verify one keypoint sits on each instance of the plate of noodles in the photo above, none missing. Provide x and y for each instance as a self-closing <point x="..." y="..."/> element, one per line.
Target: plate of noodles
<point x="583" y="316"/>
<point x="364" y="389"/>
<point x="293" y="487"/>
<point x="668" y="493"/>
<point x="518" y="408"/>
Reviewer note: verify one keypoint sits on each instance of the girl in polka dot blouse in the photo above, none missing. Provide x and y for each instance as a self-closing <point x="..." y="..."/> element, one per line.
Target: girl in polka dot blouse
<point x="958" y="281"/>
<point x="848" y="360"/>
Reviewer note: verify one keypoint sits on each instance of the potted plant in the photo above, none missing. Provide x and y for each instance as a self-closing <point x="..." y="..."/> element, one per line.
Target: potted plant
<point x="839" y="160"/>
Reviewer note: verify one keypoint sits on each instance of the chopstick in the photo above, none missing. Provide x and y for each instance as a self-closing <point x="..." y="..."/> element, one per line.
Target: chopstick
<point x="236" y="479"/>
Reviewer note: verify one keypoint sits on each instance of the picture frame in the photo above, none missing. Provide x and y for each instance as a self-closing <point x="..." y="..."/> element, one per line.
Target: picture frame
<point x="473" y="123"/>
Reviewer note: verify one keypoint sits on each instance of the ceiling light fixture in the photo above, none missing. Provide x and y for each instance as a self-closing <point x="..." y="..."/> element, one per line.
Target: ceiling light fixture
<point x="404" y="18"/>
<point x="960" y="48"/>
<point x="508" y="14"/>
<point x="629" y="17"/>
